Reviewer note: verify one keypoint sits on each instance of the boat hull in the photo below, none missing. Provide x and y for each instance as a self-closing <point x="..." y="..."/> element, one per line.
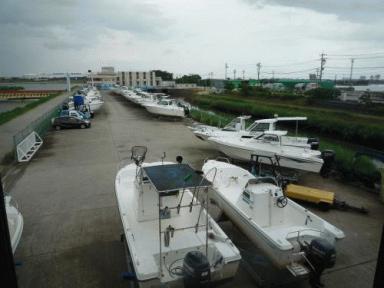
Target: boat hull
<point x="244" y="154"/>
<point x="171" y="112"/>
<point x="15" y="224"/>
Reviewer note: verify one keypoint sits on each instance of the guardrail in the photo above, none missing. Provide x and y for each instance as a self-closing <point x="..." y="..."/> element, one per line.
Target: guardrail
<point x="26" y="94"/>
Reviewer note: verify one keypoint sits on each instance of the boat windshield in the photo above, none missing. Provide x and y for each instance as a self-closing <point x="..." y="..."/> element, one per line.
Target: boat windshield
<point x="261" y="127"/>
<point x="165" y="102"/>
<point x="234" y="125"/>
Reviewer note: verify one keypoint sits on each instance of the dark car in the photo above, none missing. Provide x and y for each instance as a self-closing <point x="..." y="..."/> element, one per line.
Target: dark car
<point x="70" y="122"/>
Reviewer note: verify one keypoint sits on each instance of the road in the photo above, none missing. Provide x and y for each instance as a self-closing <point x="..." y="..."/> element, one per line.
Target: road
<point x="72" y="229"/>
<point x="9" y="129"/>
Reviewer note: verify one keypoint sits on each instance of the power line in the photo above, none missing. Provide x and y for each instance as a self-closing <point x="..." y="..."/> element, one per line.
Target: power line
<point x="356" y="55"/>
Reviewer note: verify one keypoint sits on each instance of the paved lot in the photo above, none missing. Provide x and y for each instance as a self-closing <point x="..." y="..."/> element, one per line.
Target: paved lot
<point x="10" y="128"/>
<point x="72" y="228"/>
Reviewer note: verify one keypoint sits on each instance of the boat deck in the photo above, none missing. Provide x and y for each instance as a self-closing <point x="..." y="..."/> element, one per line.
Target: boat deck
<point x="143" y="237"/>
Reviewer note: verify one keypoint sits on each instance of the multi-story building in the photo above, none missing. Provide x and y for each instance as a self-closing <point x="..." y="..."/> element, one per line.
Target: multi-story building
<point x="135" y="79"/>
<point x="106" y="76"/>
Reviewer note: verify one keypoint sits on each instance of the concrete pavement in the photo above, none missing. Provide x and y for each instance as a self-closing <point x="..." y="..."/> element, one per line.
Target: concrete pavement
<point x="9" y="129"/>
<point x="72" y="227"/>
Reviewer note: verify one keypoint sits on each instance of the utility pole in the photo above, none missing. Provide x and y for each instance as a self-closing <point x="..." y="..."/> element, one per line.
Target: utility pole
<point x="350" y="73"/>
<point x="243" y="73"/>
<point x="258" y="65"/>
<point x="226" y="69"/>
<point x="68" y="83"/>
<point x="234" y="74"/>
<point x="322" y="63"/>
<point x="7" y="271"/>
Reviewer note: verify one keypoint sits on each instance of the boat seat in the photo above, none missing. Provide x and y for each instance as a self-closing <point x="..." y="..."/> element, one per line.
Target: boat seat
<point x="282" y="234"/>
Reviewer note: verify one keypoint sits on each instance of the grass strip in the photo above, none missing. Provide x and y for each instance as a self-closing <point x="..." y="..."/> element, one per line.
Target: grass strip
<point x="11" y="114"/>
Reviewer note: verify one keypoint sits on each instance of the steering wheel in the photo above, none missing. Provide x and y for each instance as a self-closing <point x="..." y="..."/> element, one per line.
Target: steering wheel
<point x="282" y="201"/>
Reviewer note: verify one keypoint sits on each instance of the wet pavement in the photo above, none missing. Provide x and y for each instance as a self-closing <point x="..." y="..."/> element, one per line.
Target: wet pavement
<point x="72" y="227"/>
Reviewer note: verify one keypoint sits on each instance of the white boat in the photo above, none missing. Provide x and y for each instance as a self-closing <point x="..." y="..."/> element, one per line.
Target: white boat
<point x="166" y="107"/>
<point x="161" y="237"/>
<point x="277" y="225"/>
<point x="15" y="222"/>
<point x="238" y="127"/>
<point x="273" y="145"/>
<point x="94" y="103"/>
<point x="203" y="132"/>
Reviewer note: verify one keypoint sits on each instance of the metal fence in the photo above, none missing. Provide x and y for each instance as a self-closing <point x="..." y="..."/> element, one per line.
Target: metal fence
<point x="40" y="125"/>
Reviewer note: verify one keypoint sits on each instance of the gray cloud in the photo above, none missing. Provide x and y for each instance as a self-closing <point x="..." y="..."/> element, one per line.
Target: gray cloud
<point x="350" y="10"/>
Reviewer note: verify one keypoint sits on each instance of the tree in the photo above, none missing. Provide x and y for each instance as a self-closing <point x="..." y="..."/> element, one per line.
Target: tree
<point x="165" y="76"/>
<point x="191" y="78"/>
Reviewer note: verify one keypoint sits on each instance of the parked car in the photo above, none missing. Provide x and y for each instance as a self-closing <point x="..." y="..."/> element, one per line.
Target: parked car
<point x="70" y="122"/>
<point x="75" y="113"/>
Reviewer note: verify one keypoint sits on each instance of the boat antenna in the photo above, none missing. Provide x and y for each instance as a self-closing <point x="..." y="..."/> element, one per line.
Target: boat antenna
<point x="138" y="155"/>
<point x="162" y="158"/>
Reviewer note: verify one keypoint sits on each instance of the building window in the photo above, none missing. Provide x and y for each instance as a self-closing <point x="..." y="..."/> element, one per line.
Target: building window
<point x="145" y="75"/>
<point x="137" y="83"/>
<point x="137" y="75"/>
<point x="130" y="83"/>
<point x="145" y="83"/>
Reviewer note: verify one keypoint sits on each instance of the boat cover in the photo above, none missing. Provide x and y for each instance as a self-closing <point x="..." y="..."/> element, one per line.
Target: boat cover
<point x="171" y="177"/>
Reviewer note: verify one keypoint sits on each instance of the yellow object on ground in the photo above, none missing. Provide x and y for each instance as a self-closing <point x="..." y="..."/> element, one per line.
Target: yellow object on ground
<point x="308" y="194"/>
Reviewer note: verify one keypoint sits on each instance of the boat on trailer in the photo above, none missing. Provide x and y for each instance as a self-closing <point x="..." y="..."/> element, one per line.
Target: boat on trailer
<point x="167" y="228"/>
<point x="271" y="145"/>
<point x="284" y="230"/>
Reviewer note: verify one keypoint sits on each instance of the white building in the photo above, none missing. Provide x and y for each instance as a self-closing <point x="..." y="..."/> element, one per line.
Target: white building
<point x="136" y="79"/>
<point x="106" y="76"/>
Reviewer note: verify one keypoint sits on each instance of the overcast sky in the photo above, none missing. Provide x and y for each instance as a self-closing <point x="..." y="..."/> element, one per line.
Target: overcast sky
<point x="194" y="36"/>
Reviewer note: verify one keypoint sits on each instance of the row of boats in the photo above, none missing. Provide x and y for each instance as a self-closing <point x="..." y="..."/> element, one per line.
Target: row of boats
<point x="87" y="100"/>
<point x="171" y="237"/>
<point x="262" y="137"/>
<point x="155" y="103"/>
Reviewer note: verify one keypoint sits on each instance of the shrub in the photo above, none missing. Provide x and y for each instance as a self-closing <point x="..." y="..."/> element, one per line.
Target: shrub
<point x="323" y="93"/>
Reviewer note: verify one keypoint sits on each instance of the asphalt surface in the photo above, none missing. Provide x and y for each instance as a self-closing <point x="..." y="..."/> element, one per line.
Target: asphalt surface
<point x="72" y="227"/>
<point x="9" y="129"/>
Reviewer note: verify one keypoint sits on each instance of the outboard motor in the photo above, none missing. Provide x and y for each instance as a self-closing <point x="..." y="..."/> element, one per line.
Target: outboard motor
<point x="329" y="157"/>
<point x="197" y="271"/>
<point x="314" y="142"/>
<point x="321" y="253"/>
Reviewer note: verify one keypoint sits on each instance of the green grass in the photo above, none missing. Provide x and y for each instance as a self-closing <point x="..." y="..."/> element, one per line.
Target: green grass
<point x="9" y="115"/>
<point x="11" y="88"/>
<point x="349" y="167"/>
